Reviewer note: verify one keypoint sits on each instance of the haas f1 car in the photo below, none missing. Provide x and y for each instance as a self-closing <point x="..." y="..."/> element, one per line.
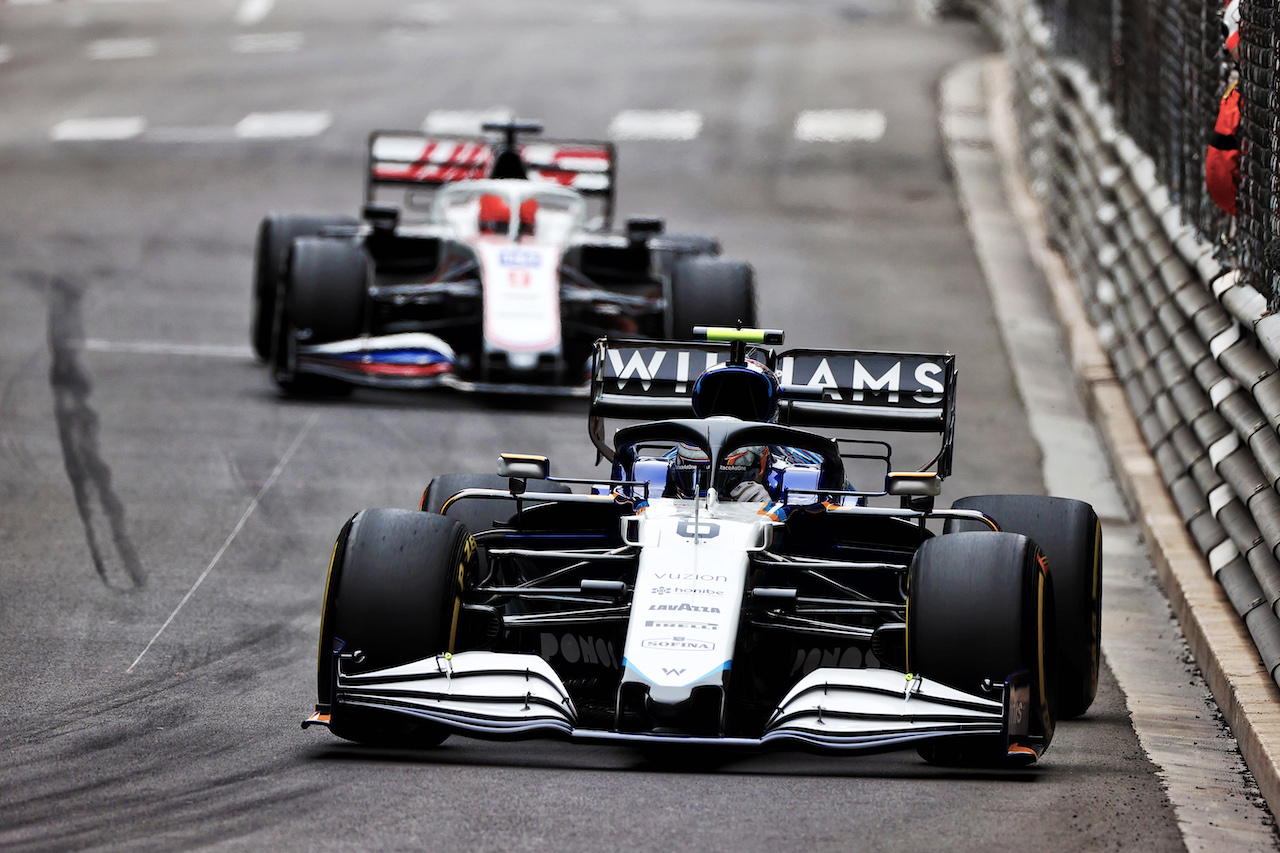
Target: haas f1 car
<point x="495" y="269"/>
<point x="726" y="583"/>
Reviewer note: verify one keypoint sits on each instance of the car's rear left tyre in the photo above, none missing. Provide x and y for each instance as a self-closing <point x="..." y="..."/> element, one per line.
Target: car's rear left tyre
<point x="322" y="299"/>
<point x="708" y="291"/>
<point x="1069" y="533"/>
<point x="276" y="234"/>
<point x="394" y="595"/>
<point x="979" y="609"/>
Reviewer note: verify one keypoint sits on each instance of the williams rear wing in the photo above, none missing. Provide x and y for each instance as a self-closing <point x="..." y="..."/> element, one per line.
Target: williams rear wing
<point x="408" y="159"/>
<point x="881" y="391"/>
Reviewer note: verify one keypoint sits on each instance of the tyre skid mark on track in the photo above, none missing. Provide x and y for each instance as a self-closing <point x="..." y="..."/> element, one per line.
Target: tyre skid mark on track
<point x="77" y="422"/>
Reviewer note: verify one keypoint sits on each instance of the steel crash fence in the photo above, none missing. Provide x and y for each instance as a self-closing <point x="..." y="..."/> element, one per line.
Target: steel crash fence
<point x="1115" y="100"/>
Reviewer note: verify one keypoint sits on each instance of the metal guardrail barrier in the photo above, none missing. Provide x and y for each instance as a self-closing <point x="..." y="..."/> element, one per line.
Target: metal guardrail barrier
<point x="1115" y="99"/>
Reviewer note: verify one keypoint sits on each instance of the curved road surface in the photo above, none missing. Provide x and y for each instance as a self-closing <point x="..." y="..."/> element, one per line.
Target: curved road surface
<point x="168" y="518"/>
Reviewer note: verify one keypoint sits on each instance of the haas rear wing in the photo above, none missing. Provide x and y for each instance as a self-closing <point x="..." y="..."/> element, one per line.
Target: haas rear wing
<point x="883" y="391"/>
<point x="406" y="158"/>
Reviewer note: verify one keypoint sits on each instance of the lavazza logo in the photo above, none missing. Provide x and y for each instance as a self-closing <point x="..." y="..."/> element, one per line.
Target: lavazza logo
<point x="686" y="590"/>
<point x="683" y="644"/>
<point x="684" y="608"/>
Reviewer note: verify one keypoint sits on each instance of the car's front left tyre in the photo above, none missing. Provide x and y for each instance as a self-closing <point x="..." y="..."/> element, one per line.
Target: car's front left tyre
<point x="980" y="609"/>
<point x="1071" y="536"/>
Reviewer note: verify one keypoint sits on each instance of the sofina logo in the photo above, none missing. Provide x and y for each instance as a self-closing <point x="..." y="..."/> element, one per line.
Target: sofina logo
<point x="681" y="644"/>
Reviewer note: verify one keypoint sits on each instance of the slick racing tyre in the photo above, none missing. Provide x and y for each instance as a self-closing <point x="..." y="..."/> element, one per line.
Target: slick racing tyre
<point x="393" y="595"/>
<point x="276" y="234"/>
<point x="670" y="249"/>
<point x="479" y="514"/>
<point x="980" y="608"/>
<point x="708" y="291"/>
<point x="1071" y="537"/>
<point x="322" y="299"/>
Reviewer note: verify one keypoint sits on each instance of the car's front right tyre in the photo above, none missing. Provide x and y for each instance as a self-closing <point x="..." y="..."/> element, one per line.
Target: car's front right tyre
<point x="393" y="596"/>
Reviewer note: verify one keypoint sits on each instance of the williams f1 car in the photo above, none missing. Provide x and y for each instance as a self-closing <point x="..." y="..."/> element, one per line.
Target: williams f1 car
<point x="726" y="583"/>
<point x="480" y="264"/>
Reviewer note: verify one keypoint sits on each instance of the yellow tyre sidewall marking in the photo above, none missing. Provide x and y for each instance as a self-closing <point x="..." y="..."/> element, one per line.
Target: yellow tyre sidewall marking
<point x="468" y="554"/>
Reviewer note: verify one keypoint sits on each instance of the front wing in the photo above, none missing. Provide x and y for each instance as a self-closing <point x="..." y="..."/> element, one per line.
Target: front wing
<point x="407" y="361"/>
<point x="502" y="695"/>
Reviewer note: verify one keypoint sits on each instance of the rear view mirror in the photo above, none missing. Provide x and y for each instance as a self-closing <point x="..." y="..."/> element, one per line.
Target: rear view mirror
<point x="520" y="466"/>
<point x="913" y="483"/>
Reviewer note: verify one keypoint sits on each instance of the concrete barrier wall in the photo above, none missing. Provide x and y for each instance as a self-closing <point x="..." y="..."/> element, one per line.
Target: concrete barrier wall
<point x="1193" y="347"/>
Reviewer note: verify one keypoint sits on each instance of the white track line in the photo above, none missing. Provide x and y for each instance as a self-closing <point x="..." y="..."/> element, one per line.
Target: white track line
<point x="840" y="126"/>
<point x="252" y="12"/>
<point x="87" y="129"/>
<point x="6" y="53"/>
<point x="283" y="125"/>
<point x="280" y="466"/>
<point x="430" y="12"/>
<point x="128" y="48"/>
<point x="166" y="348"/>
<point x="670" y="125"/>
<point x="267" y="42"/>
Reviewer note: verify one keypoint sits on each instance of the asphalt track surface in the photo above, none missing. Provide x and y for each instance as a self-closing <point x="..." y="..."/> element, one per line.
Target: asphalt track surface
<point x="168" y="518"/>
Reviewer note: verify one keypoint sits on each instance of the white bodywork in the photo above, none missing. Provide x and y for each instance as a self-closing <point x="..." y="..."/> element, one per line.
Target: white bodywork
<point x="688" y="593"/>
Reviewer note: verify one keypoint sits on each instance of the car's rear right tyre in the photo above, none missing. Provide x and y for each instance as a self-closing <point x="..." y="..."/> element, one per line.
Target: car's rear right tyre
<point x="276" y="234"/>
<point x="478" y="514"/>
<point x="979" y="609"/>
<point x="708" y="291"/>
<point x="393" y="594"/>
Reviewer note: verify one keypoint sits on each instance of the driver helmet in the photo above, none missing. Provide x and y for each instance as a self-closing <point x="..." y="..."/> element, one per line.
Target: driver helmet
<point x="528" y="216"/>
<point x="744" y="463"/>
<point x="495" y="214"/>
<point x="691" y="462"/>
<point x="690" y="465"/>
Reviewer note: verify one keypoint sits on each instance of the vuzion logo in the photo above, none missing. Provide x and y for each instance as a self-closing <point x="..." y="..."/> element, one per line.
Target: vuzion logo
<point x="688" y="576"/>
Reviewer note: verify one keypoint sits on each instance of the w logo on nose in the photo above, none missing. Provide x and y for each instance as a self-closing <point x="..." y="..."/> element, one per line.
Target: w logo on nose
<point x="667" y="671"/>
